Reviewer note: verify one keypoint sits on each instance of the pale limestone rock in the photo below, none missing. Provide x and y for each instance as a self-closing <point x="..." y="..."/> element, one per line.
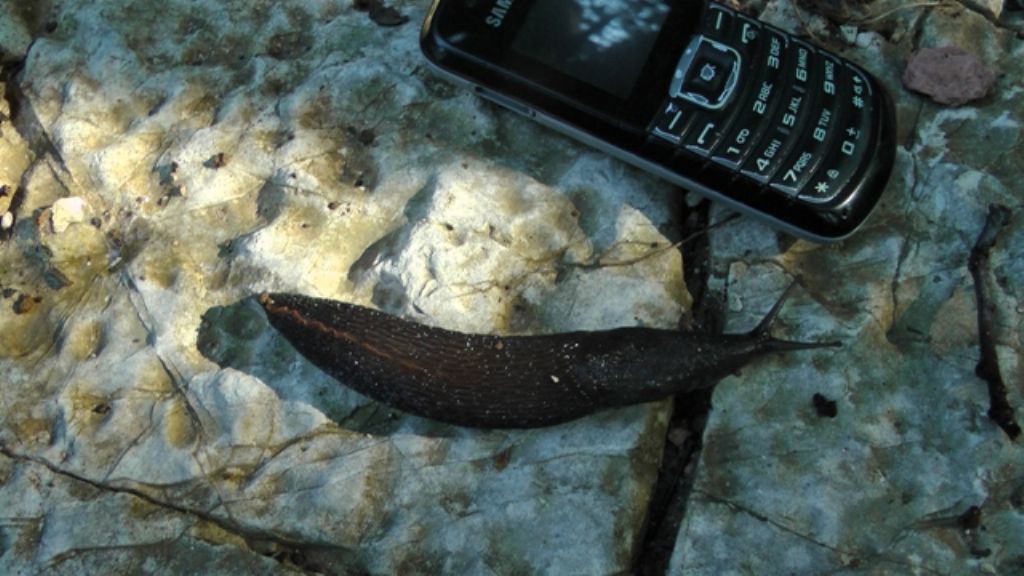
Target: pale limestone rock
<point x="16" y="155"/>
<point x="193" y="154"/>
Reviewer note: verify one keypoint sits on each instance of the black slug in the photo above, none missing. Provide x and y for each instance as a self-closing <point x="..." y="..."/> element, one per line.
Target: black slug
<point x="510" y="381"/>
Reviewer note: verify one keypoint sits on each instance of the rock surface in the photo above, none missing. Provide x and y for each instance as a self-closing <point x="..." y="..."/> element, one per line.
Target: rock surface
<point x="886" y="485"/>
<point x="174" y="159"/>
<point x="166" y="161"/>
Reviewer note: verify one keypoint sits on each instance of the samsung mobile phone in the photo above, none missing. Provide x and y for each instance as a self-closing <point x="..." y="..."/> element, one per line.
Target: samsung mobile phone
<point x="699" y="94"/>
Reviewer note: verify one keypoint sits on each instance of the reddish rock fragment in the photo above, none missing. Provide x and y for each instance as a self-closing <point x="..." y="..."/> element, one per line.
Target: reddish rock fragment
<point x="949" y="75"/>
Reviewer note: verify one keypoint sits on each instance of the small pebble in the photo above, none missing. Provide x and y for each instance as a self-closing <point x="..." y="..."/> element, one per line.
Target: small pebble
<point x="949" y="75"/>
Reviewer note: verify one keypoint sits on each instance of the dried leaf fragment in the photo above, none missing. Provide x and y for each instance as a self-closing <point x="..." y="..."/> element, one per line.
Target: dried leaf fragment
<point x="25" y="303"/>
<point x="949" y="75"/>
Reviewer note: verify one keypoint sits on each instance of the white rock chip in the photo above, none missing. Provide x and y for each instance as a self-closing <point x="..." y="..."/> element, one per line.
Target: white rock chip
<point x="68" y="211"/>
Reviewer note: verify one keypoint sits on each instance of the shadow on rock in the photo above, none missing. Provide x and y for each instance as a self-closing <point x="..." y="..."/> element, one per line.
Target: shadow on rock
<point x="238" y="336"/>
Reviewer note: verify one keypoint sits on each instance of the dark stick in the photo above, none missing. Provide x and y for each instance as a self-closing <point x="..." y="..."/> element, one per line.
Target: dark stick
<point x="999" y="409"/>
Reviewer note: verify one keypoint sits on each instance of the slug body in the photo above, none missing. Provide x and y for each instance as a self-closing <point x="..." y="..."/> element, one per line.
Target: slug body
<point x="509" y="381"/>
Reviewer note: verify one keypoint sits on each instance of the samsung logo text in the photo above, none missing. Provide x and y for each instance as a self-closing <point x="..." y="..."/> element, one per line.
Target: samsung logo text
<point x="498" y="11"/>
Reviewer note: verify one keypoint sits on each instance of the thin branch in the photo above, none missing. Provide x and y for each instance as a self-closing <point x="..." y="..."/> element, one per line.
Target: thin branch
<point x="999" y="410"/>
<point x="654" y="252"/>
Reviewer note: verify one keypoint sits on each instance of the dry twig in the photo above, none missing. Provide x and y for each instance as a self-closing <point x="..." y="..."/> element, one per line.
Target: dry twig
<point x="999" y="409"/>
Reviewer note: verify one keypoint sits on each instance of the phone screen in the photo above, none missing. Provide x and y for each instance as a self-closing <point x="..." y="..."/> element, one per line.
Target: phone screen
<point x="604" y="43"/>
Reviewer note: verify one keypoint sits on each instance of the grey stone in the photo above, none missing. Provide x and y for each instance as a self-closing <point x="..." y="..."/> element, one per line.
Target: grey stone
<point x="881" y="488"/>
<point x="991" y="8"/>
<point x="16" y="28"/>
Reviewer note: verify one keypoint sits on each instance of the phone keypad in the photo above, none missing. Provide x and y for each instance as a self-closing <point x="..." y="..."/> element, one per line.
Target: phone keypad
<point x="764" y="50"/>
<point x="801" y="125"/>
<point x="711" y="128"/>
<point x="851" y="144"/>
<point x="816" y="136"/>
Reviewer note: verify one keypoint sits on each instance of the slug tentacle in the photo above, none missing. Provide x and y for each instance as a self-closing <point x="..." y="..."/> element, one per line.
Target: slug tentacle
<point x="509" y="382"/>
<point x="762" y="331"/>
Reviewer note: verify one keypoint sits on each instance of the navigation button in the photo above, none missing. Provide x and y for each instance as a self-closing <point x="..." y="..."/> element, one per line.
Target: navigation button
<point x="707" y="73"/>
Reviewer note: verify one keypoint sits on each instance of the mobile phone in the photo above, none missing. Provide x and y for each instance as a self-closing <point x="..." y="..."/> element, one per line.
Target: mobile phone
<point x="695" y="92"/>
